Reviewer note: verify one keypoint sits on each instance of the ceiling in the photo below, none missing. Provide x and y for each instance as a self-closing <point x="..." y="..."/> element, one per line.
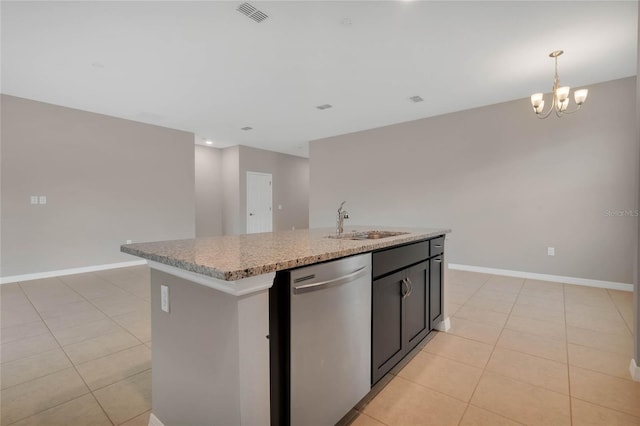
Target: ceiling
<point x="206" y="68"/>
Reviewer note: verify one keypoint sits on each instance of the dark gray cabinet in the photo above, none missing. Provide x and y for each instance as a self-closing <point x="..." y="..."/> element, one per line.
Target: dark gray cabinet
<point x="406" y="301"/>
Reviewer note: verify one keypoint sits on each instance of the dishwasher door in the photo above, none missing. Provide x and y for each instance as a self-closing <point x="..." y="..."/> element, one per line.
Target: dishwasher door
<point x="330" y="339"/>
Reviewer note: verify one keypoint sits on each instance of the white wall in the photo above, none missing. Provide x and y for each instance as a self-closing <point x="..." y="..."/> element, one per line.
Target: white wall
<point x="106" y="179"/>
<point x="508" y="184"/>
<point x="208" y="187"/>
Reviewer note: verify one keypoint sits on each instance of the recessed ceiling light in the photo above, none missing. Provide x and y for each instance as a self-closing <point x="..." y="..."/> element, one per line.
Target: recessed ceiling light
<point x="208" y="142"/>
<point x="416" y="98"/>
<point x="247" y="128"/>
<point x="325" y="106"/>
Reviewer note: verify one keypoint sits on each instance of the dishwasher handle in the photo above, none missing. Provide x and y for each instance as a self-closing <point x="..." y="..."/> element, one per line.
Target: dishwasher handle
<point x="306" y="288"/>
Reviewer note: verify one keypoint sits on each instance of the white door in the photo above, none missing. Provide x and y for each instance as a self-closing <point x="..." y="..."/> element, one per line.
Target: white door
<point x="259" y="215"/>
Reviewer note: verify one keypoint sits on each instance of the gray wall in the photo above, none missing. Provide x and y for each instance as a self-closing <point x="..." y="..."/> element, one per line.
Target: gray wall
<point x="106" y="180"/>
<point x="508" y="184"/>
<point x="231" y="217"/>
<point x="290" y="186"/>
<point x="208" y="187"/>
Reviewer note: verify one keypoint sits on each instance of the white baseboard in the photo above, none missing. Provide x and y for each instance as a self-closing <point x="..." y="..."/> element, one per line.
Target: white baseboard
<point x="444" y="325"/>
<point x="544" y="277"/>
<point x="634" y="369"/>
<point x="154" y="421"/>
<point x="62" y="272"/>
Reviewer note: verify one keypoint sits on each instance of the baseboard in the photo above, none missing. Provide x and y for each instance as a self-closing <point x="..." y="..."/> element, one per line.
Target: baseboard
<point x="544" y="277"/>
<point x="444" y="325"/>
<point x="62" y="272"/>
<point x="154" y="421"/>
<point x="634" y="369"/>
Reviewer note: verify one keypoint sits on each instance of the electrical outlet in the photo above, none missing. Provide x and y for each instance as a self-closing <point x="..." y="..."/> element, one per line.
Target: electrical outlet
<point x="43" y="199"/>
<point x="551" y="251"/>
<point x="164" y="298"/>
<point x="34" y="199"/>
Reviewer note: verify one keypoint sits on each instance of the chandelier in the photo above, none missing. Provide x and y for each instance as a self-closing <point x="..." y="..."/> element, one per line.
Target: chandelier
<point x="560" y="96"/>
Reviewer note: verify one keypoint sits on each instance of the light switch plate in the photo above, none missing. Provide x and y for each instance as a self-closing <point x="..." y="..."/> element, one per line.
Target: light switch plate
<point x="34" y="199"/>
<point x="551" y="251"/>
<point x="164" y="298"/>
<point x="43" y="199"/>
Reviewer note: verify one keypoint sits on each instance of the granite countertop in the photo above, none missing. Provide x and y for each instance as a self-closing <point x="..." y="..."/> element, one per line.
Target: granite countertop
<point x="234" y="257"/>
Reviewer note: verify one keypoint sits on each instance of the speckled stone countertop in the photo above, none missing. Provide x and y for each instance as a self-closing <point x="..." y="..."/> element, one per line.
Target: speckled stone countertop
<point x="234" y="257"/>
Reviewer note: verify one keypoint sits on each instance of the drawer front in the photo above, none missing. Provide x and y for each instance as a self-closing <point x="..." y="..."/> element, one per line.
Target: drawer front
<point x="437" y="246"/>
<point x="395" y="258"/>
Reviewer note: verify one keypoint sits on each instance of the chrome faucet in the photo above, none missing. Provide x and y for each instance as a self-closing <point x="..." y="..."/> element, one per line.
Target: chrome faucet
<point x="342" y="215"/>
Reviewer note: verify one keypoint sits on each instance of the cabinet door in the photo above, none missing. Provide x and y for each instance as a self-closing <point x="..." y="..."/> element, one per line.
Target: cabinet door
<point x="435" y="289"/>
<point x="386" y="326"/>
<point x="416" y="305"/>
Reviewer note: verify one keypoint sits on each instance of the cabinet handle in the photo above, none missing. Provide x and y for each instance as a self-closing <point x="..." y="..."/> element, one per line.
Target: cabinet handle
<point x="410" y="284"/>
<point x="437" y="260"/>
<point x="437" y="245"/>
<point x="405" y="293"/>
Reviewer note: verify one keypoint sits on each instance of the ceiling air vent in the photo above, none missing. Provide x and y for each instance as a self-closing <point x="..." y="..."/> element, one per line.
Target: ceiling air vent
<point x="325" y="106"/>
<point x="247" y="128"/>
<point x="416" y="98"/>
<point x="253" y="13"/>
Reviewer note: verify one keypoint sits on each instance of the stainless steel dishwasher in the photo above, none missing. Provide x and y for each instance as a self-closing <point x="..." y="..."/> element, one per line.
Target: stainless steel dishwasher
<point x="330" y="364"/>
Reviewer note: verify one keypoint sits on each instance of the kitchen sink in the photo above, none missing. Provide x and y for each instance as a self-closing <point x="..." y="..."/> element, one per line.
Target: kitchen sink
<point x="367" y="235"/>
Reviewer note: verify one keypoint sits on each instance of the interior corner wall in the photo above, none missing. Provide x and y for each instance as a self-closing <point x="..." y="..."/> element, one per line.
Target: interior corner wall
<point x="106" y="180"/>
<point x="290" y="176"/>
<point x="636" y="310"/>
<point x="231" y="220"/>
<point x="209" y="190"/>
<point x="507" y="184"/>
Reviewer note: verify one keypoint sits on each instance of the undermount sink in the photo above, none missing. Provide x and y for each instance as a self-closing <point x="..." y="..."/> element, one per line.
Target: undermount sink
<point x="367" y="235"/>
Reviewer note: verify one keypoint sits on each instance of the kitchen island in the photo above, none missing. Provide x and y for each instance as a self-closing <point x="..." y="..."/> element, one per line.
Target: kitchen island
<point x="210" y="316"/>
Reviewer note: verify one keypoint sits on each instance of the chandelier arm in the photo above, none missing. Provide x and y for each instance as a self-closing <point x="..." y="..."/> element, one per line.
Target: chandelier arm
<point x="542" y="116"/>
<point x="575" y="110"/>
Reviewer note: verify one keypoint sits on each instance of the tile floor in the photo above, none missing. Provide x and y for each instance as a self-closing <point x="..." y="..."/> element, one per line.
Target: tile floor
<point x="75" y="351"/>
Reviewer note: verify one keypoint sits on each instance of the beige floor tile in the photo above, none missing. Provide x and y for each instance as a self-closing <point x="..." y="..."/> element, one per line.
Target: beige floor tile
<point x="472" y="330"/>
<point x="44" y="299"/>
<point x="494" y="305"/>
<point x="587" y="414"/>
<point x="80" y="411"/>
<point x="23" y="331"/>
<point x="100" y="346"/>
<point x="606" y="323"/>
<point x="539" y="313"/>
<point x="471" y="278"/>
<point x="141" y="420"/>
<point x="457" y="297"/>
<point x="504" y="284"/>
<point x="126" y="399"/>
<point x="27" y="347"/>
<point x="531" y="369"/>
<point x="118" y="305"/>
<point x="72" y="315"/>
<point x="521" y="401"/>
<point x="452" y="308"/>
<point x="27" y="399"/>
<point x="137" y="323"/>
<point x="555" y="350"/>
<point x="621" y="298"/>
<point x="92" y="286"/>
<point x="21" y="313"/>
<point x="483" y="316"/>
<point x="603" y="362"/>
<point x="475" y="416"/>
<point x="364" y="420"/>
<point x="602" y="389"/>
<point x="606" y="309"/>
<point x="115" y="367"/>
<point x="79" y="333"/>
<point x="459" y="349"/>
<point x="627" y="315"/>
<point x="443" y="375"/>
<point x="402" y="402"/>
<point x="549" y="287"/>
<point x="607" y="342"/>
<point x="33" y="367"/>
<point x="547" y="329"/>
<point x="549" y="303"/>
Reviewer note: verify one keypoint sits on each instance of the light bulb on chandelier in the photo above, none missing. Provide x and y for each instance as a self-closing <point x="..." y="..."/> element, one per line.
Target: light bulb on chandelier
<point x="559" y="96"/>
